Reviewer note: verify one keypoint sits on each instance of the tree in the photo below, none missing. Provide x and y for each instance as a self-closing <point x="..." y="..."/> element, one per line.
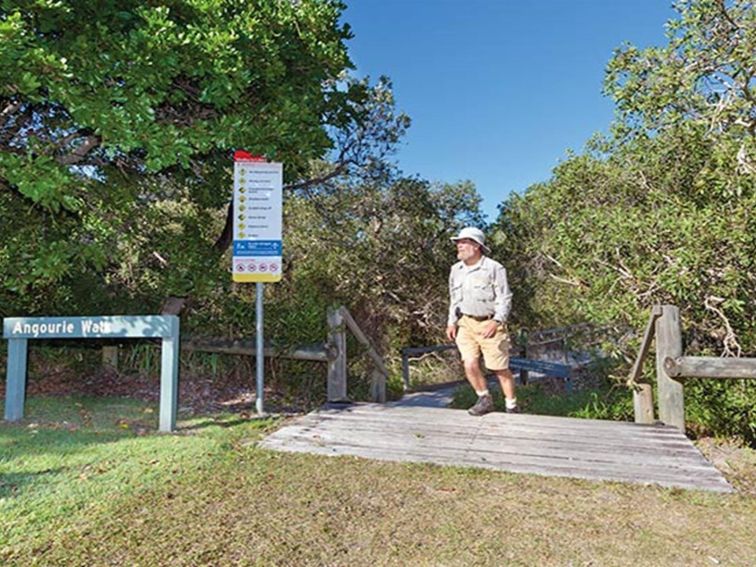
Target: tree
<point x="118" y="120"/>
<point x="704" y="77"/>
<point x="383" y="249"/>
<point x="662" y="212"/>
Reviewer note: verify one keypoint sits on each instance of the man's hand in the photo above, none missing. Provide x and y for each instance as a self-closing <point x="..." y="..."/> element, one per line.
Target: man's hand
<point x="451" y="332"/>
<point x="490" y="329"/>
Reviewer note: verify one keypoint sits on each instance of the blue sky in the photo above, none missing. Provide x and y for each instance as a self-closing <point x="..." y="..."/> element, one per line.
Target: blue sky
<point x="498" y="91"/>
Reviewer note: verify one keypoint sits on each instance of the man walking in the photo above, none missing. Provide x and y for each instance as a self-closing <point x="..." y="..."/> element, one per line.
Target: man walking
<point x="478" y="310"/>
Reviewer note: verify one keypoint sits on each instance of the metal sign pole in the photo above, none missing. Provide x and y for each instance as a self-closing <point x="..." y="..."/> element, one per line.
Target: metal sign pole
<point x="258" y="220"/>
<point x="260" y="347"/>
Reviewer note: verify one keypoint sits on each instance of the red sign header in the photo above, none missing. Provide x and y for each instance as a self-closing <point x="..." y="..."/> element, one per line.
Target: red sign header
<point x="241" y="155"/>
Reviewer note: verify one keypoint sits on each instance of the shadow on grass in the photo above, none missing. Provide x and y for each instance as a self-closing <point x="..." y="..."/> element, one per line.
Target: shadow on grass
<point x="60" y="426"/>
<point x="12" y="484"/>
<point x="21" y="440"/>
<point x="206" y="423"/>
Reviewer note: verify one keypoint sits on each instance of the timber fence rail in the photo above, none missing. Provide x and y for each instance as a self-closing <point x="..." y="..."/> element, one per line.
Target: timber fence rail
<point x="672" y="369"/>
<point x="333" y="352"/>
<point x="532" y="347"/>
<point x="522" y="364"/>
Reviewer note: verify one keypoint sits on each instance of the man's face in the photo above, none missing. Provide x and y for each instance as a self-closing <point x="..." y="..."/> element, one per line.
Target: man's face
<point x="467" y="249"/>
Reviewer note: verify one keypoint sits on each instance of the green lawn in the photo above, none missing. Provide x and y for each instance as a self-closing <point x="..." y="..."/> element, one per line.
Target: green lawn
<point x="89" y="482"/>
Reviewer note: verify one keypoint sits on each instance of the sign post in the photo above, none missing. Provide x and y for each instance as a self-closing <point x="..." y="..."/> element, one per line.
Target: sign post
<point x="258" y="250"/>
<point x="20" y="330"/>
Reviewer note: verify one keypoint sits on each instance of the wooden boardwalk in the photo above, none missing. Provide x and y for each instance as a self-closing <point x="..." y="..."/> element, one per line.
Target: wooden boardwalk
<point x="545" y="445"/>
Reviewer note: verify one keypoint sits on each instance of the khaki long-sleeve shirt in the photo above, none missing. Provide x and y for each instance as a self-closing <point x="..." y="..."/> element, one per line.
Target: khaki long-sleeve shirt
<point x="480" y="290"/>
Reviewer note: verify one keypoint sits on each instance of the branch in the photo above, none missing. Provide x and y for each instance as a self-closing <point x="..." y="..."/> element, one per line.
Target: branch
<point x="338" y="170"/>
<point x="78" y="154"/>
<point x="548" y="257"/>
<point x="569" y="282"/>
<point x="21" y="121"/>
<point x="730" y="339"/>
<point x="226" y="236"/>
<point x="726" y="15"/>
<point x="10" y="109"/>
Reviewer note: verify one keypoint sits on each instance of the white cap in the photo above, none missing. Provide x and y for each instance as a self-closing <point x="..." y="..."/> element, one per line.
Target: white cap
<point x="473" y="234"/>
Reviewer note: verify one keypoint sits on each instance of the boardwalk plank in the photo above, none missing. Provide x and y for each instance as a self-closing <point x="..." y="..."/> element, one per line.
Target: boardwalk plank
<point x="491" y="449"/>
<point x="554" y="448"/>
<point x="621" y="474"/>
<point x="545" y="445"/>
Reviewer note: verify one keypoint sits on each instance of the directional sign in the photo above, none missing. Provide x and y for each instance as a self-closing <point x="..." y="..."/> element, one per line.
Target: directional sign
<point x="258" y="205"/>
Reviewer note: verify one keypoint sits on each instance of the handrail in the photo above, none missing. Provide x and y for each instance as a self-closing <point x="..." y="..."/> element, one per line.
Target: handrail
<point x="339" y="320"/>
<point x="643" y="400"/>
<point x="710" y="367"/>
<point x="648" y="335"/>
<point x="314" y="352"/>
<point x="360" y="336"/>
<point x="546" y="367"/>
<point x="672" y="368"/>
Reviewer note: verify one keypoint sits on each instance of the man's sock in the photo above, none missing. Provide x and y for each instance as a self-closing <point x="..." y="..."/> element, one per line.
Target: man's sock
<point x="511" y="403"/>
<point x="482" y="393"/>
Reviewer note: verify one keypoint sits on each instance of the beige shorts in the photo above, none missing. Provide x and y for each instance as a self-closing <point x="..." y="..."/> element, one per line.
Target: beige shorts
<point x="471" y="343"/>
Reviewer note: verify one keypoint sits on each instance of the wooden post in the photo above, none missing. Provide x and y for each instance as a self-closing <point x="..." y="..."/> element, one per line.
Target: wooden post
<point x="337" y="363"/>
<point x="377" y="386"/>
<point x="523" y="354"/>
<point x="110" y="357"/>
<point x="15" y="384"/>
<point x="643" y="403"/>
<point x="405" y="370"/>
<point x="669" y="344"/>
<point x="169" y="369"/>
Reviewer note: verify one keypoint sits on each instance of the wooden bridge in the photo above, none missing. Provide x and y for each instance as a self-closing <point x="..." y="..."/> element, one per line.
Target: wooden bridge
<point x="411" y="431"/>
<point x="419" y="428"/>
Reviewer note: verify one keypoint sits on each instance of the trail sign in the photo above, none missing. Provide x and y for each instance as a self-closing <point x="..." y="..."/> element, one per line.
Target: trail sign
<point x="258" y="212"/>
<point x="20" y="330"/>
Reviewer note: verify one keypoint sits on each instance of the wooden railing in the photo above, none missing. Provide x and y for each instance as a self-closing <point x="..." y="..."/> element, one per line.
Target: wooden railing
<point x="672" y="369"/>
<point x="339" y="320"/>
<point x="523" y="365"/>
<point x="333" y="352"/>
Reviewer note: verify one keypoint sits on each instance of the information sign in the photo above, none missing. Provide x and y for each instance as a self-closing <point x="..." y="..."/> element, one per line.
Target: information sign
<point x="258" y="206"/>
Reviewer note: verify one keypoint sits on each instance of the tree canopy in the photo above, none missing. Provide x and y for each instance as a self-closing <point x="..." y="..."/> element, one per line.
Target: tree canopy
<point x="118" y="120"/>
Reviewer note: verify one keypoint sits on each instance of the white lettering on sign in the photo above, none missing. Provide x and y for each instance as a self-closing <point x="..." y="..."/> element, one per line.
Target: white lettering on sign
<point x="61" y="328"/>
<point x="89" y="326"/>
<point x="37" y="329"/>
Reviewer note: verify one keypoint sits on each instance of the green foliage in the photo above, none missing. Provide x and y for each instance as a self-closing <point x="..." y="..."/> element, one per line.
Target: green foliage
<point x="703" y="76"/>
<point x="660" y="213"/>
<point x="382" y="249"/>
<point x="117" y="123"/>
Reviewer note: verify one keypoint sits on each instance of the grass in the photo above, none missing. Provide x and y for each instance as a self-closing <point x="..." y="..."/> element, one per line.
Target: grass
<point x="542" y="398"/>
<point x="89" y="482"/>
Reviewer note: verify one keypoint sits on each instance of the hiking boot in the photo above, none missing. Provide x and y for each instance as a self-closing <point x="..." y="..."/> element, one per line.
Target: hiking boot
<point x="513" y="410"/>
<point x="483" y="406"/>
